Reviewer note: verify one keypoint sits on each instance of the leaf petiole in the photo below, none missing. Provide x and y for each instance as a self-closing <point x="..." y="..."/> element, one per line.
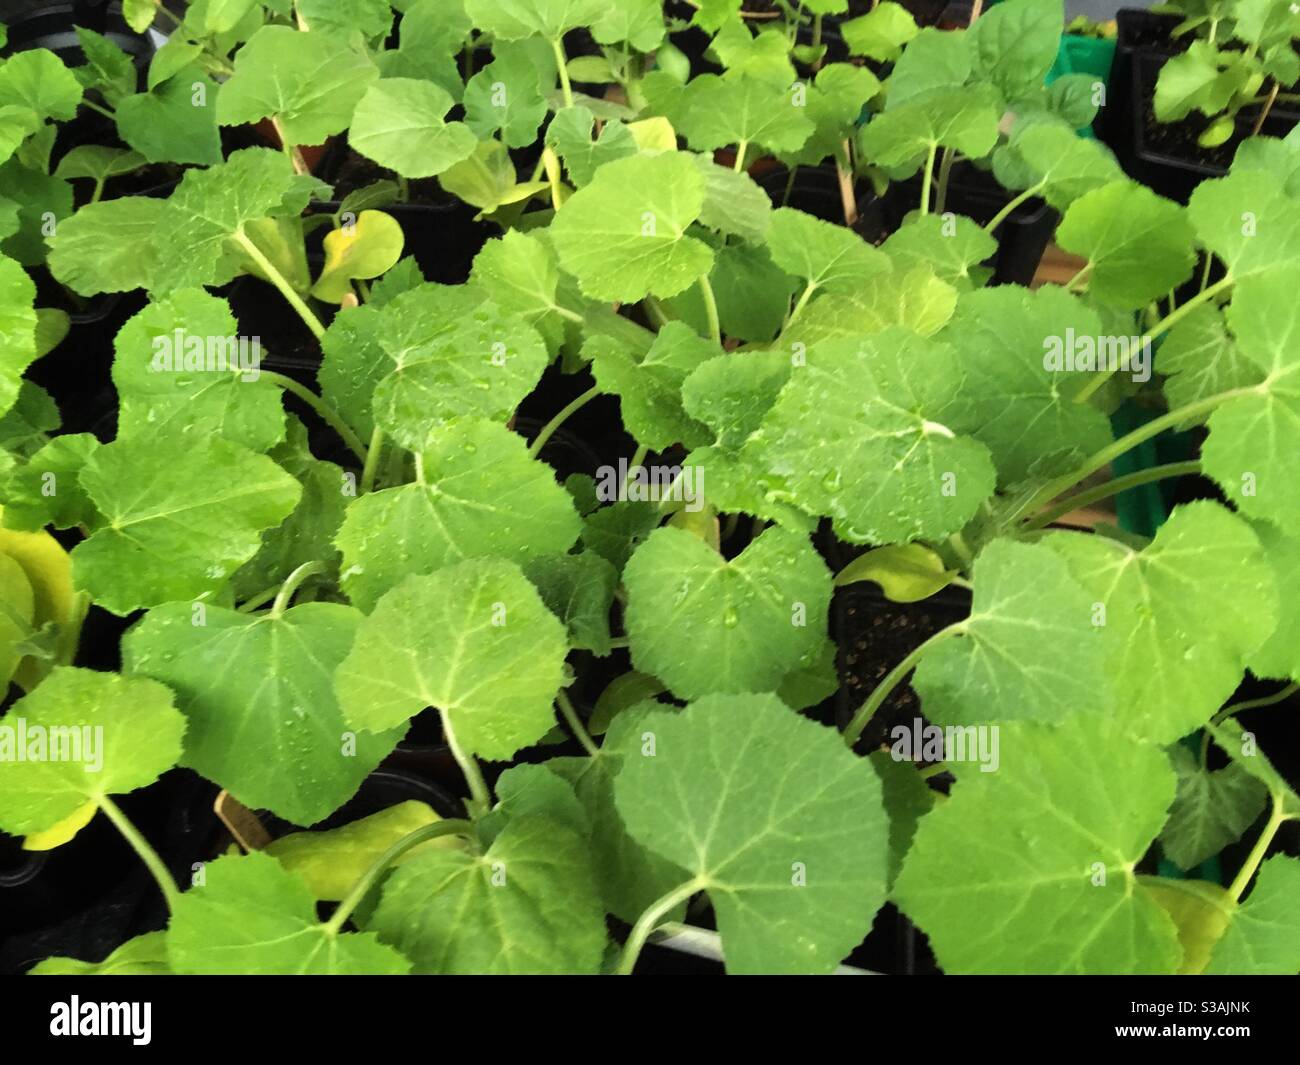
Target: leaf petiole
<point x="142" y="847"/>
<point x="649" y="920"/>
<point x="549" y="429"/>
<point x="1275" y="819"/>
<point x="562" y="63"/>
<point x="711" y="309"/>
<point x="327" y="413"/>
<point x="292" y="583"/>
<point x="1111" y="488"/>
<point x="1124" y="444"/>
<point x="368" y="879"/>
<point x="895" y="677"/>
<point x="278" y="280"/>
<point x="575" y="724"/>
<point x="371" y="467"/>
<point x="480" y="801"/>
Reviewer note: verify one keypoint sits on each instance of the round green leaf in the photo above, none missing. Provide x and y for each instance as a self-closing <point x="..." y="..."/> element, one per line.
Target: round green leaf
<point x="474" y="640"/>
<point x="703" y="624"/>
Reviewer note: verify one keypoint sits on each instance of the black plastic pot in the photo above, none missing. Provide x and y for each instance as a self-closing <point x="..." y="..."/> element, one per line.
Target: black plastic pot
<point x="1164" y="156"/>
<point x="1136" y="30"/>
<point x="37" y="24"/>
<point x="88" y="896"/>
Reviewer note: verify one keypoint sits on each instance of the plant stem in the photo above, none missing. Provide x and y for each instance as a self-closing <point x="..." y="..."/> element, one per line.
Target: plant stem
<point x="711" y="309"/>
<point x="96" y="107"/>
<point x="278" y="280"/>
<point x="1263" y="114"/>
<point x="368" y="879"/>
<point x="803" y="302"/>
<point x="789" y="185"/>
<point x="480" y="801"/>
<point x="892" y="680"/>
<point x="1279" y="696"/>
<point x="1205" y="271"/>
<point x="655" y="312"/>
<point x="638" y="457"/>
<point x="649" y="920"/>
<point x="371" y="467"/>
<point x="292" y="583"/>
<point x="548" y="430"/>
<point x="1125" y="443"/>
<point x="1162" y="326"/>
<point x="741" y="149"/>
<point x="296" y="160"/>
<point x="945" y="170"/>
<point x="844" y="177"/>
<point x="1257" y="852"/>
<point x="142" y="847"/>
<point x="1111" y="488"/>
<point x="928" y="179"/>
<point x="575" y="724"/>
<point x="327" y="413"/>
<point x="259" y="600"/>
<point x="1015" y="202"/>
<point x="557" y="46"/>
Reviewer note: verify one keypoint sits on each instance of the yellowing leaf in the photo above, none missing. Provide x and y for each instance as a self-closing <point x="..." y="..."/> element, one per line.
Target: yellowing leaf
<point x="906" y="573"/>
<point x="58" y="835"/>
<point x="49" y="569"/>
<point x="366" y="248"/>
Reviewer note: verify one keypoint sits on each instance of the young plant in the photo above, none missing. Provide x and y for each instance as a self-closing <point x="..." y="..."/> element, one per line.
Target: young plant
<point x="1239" y="47"/>
<point x="648" y="641"/>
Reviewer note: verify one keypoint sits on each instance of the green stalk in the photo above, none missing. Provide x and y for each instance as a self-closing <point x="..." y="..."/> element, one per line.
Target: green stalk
<point x="928" y="179"/>
<point x="945" y="170"/>
<point x="655" y="312"/>
<point x="548" y="430"/>
<point x="803" y="302"/>
<point x="371" y="467"/>
<point x="278" y="280"/>
<point x="1111" y="488"/>
<point x="562" y="62"/>
<point x="327" y="413"/>
<point x="1003" y="214"/>
<point x="259" y="600"/>
<point x="575" y="724"/>
<point x="741" y="149"/>
<point x="96" y="107"/>
<point x="1280" y="696"/>
<point x="480" y="797"/>
<point x="711" y="309"/>
<point x="896" y="676"/>
<point x="1162" y="326"/>
<point x="369" y="878"/>
<point x="789" y="185"/>
<point x="292" y="583"/>
<point x="638" y="457"/>
<point x="1257" y="852"/>
<point x="649" y="920"/>
<point x="1124" y="444"/>
<point x="142" y="847"/>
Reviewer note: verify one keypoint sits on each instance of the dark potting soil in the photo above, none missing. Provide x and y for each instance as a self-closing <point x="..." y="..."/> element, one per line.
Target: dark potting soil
<point x="873" y="635"/>
<point x="1177" y="140"/>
